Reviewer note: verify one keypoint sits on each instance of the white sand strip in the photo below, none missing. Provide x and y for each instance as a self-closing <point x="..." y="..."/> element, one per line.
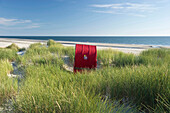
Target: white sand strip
<point x="22" y="43"/>
<point x="109" y="45"/>
<point x="127" y="48"/>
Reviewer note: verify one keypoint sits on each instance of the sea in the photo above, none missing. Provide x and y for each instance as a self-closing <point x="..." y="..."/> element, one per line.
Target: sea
<point x="140" y="40"/>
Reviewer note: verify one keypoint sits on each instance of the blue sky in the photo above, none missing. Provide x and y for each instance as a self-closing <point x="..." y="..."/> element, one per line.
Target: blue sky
<point x="85" y="17"/>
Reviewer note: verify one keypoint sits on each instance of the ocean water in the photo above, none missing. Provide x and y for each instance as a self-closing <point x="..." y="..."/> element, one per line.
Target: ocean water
<point x="142" y="40"/>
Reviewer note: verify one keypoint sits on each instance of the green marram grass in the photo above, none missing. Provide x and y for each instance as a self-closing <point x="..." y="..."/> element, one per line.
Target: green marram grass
<point x="48" y="88"/>
<point x="117" y="59"/>
<point x="8" y="86"/>
<point x="51" y="42"/>
<point x="9" y="54"/>
<point x="142" y="80"/>
<point x="156" y="57"/>
<point x="61" y="50"/>
<point x="13" y="46"/>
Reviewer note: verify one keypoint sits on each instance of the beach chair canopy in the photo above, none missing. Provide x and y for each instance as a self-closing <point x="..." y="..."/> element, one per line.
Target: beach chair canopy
<point x="85" y="57"/>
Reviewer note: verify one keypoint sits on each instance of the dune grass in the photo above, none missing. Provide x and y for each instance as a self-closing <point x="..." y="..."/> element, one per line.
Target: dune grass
<point x="51" y="42"/>
<point x="9" y="54"/>
<point x="48" y="88"/>
<point x="139" y="84"/>
<point x="143" y="81"/>
<point x="7" y="85"/>
<point x="51" y="89"/>
<point x="117" y="59"/>
<point x="60" y="50"/>
<point x="13" y="46"/>
<point x="156" y="57"/>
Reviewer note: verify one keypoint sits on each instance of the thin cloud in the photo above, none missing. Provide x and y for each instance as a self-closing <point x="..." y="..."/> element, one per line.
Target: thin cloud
<point x="6" y="23"/>
<point x="11" y="22"/>
<point x="109" y="12"/>
<point x="34" y="25"/>
<point x="161" y="1"/>
<point x="133" y="9"/>
<point x="19" y="28"/>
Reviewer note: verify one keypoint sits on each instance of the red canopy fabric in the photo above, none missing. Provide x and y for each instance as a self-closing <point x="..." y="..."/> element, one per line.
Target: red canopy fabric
<point x="85" y="57"/>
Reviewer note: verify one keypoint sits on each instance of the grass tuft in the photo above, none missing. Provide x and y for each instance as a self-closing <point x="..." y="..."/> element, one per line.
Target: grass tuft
<point x="13" y="46"/>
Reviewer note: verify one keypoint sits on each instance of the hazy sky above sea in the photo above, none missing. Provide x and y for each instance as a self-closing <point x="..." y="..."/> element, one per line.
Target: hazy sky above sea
<point x="85" y="17"/>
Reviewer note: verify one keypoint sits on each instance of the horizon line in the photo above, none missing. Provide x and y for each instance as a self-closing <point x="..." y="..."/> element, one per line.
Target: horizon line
<point x="88" y="35"/>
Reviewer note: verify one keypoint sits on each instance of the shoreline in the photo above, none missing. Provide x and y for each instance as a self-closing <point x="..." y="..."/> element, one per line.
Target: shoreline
<point x="127" y="48"/>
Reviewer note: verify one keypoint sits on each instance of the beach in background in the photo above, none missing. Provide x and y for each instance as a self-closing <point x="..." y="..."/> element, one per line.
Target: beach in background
<point x="138" y="40"/>
<point x="127" y="48"/>
<point x="24" y="42"/>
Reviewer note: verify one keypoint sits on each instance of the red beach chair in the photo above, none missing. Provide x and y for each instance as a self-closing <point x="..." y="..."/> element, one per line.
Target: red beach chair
<point x="85" y="57"/>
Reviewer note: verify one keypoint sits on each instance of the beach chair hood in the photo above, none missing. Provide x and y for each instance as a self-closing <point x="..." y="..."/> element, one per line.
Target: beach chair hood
<point x="85" y="57"/>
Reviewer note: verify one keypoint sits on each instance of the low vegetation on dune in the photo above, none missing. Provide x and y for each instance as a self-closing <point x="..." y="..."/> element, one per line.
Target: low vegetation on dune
<point x="13" y="46"/>
<point x="8" y="86"/>
<point x="9" y="54"/>
<point x="123" y="83"/>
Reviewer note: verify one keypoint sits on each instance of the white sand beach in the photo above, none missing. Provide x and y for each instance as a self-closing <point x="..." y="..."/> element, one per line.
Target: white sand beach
<point x="127" y="48"/>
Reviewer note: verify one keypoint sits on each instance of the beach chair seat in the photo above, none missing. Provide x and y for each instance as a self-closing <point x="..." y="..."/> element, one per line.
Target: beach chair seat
<point x="85" y="57"/>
